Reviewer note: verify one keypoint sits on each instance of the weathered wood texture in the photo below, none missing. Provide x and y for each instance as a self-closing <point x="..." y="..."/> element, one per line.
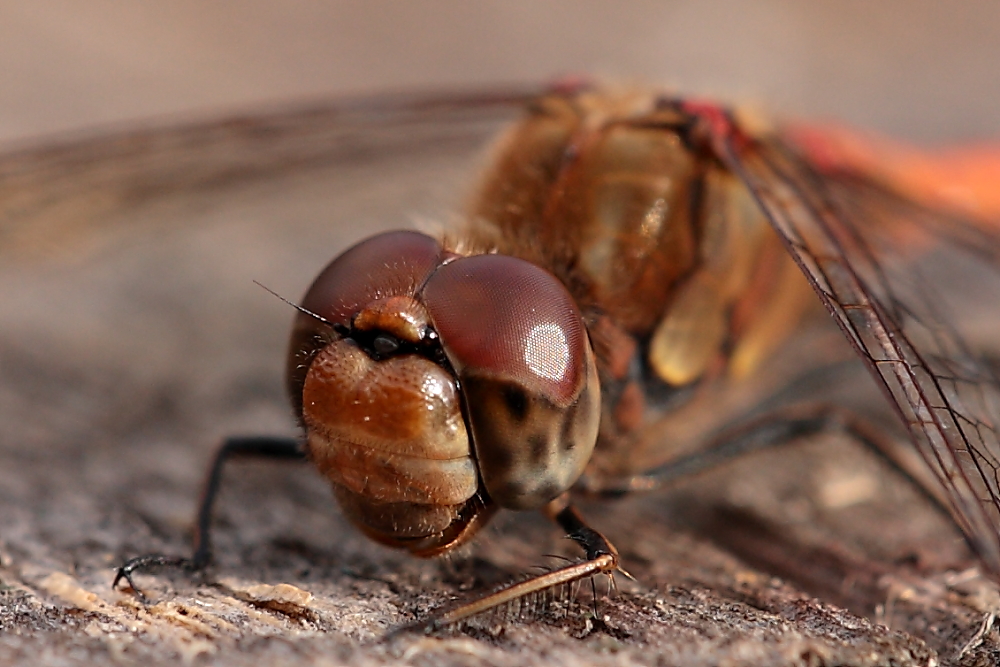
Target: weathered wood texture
<point x="133" y="338"/>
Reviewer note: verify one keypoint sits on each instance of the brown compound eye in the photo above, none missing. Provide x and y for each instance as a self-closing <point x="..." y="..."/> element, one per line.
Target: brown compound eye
<point x="527" y="373"/>
<point x="378" y="268"/>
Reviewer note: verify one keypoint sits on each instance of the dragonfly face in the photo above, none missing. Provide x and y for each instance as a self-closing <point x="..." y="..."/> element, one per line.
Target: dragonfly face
<point x="437" y="387"/>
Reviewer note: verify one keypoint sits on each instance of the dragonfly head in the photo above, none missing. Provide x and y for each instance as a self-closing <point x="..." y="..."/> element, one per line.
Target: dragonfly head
<point x="440" y="387"/>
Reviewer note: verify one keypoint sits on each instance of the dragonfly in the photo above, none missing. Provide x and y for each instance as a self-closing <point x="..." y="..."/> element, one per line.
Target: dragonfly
<point x="628" y="258"/>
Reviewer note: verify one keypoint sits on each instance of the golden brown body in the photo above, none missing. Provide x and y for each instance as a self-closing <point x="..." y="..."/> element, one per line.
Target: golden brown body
<point x="680" y="277"/>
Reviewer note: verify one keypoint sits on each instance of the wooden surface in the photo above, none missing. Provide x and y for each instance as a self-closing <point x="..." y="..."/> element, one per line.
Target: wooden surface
<point x="133" y="338"/>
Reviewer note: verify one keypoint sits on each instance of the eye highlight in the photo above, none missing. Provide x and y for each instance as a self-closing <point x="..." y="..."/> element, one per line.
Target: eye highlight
<point x="506" y="317"/>
<point x="546" y="351"/>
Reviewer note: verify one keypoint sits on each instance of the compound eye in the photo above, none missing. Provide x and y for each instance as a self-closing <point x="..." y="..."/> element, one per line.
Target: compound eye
<point x="390" y="264"/>
<point x="386" y="265"/>
<point x="527" y="373"/>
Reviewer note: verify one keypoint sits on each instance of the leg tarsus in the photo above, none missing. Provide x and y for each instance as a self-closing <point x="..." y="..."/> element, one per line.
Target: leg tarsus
<point x="264" y="447"/>
<point x="146" y="563"/>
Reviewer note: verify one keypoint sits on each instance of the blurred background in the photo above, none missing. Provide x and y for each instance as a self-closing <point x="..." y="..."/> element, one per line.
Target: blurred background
<point x="133" y="336"/>
<point x="916" y="68"/>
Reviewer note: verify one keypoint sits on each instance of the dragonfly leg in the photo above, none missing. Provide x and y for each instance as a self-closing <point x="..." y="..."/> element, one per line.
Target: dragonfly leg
<point x="601" y="558"/>
<point x="776" y="429"/>
<point x="273" y="448"/>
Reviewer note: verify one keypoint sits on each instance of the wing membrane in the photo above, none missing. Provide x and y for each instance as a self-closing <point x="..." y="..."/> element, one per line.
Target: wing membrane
<point x="863" y="251"/>
<point x="59" y="196"/>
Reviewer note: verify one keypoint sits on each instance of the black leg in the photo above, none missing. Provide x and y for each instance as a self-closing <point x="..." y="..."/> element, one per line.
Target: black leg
<point x="776" y="429"/>
<point x="274" y="448"/>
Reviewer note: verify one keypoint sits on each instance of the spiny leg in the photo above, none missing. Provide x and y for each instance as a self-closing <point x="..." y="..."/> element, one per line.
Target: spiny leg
<point x="272" y="448"/>
<point x="601" y="558"/>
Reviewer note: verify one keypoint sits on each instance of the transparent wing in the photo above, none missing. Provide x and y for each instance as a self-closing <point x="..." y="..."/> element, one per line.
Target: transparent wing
<point x="63" y="194"/>
<point x="875" y="260"/>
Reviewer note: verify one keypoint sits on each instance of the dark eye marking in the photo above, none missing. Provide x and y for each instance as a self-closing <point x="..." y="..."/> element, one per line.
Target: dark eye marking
<point x="539" y="446"/>
<point x="567" y="431"/>
<point x="516" y="401"/>
<point x="498" y="459"/>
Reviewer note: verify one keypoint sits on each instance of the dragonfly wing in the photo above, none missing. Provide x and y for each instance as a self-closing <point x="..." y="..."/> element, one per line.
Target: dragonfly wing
<point x="863" y="249"/>
<point x="65" y="194"/>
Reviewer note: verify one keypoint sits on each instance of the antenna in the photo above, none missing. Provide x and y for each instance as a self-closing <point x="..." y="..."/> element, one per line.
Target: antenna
<point x="299" y="308"/>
